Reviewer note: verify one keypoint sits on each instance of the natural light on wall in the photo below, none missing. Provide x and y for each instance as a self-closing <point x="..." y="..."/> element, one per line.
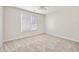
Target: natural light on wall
<point x="29" y="23"/>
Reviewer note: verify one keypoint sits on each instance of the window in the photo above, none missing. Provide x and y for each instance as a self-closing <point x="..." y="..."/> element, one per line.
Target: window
<point x="28" y="23"/>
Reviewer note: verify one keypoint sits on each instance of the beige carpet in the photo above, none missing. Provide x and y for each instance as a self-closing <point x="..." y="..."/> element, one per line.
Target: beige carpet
<point x="41" y="43"/>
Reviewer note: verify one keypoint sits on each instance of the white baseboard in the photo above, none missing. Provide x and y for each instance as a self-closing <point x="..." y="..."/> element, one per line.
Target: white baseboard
<point x="23" y="37"/>
<point x="68" y="38"/>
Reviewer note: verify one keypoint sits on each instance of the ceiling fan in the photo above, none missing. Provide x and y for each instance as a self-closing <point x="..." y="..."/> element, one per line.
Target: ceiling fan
<point x="41" y="8"/>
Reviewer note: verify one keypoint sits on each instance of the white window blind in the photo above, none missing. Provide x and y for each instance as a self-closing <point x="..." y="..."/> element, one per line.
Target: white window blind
<point x="29" y="23"/>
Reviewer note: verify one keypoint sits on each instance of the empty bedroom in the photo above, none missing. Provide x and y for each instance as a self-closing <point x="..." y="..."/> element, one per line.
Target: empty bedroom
<point x="39" y="28"/>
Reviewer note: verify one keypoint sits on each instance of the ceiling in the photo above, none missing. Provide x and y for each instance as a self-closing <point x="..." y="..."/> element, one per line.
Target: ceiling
<point x="49" y="9"/>
<point x="36" y="9"/>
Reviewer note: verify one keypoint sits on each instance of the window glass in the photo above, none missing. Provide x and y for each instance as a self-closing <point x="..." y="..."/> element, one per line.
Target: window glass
<point x="29" y="23"/>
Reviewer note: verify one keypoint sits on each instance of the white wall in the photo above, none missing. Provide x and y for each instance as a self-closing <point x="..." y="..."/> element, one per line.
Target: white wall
<point x="64" y="23"/>
<point x="1" y="26"/>
<point x="13" y="24"/>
